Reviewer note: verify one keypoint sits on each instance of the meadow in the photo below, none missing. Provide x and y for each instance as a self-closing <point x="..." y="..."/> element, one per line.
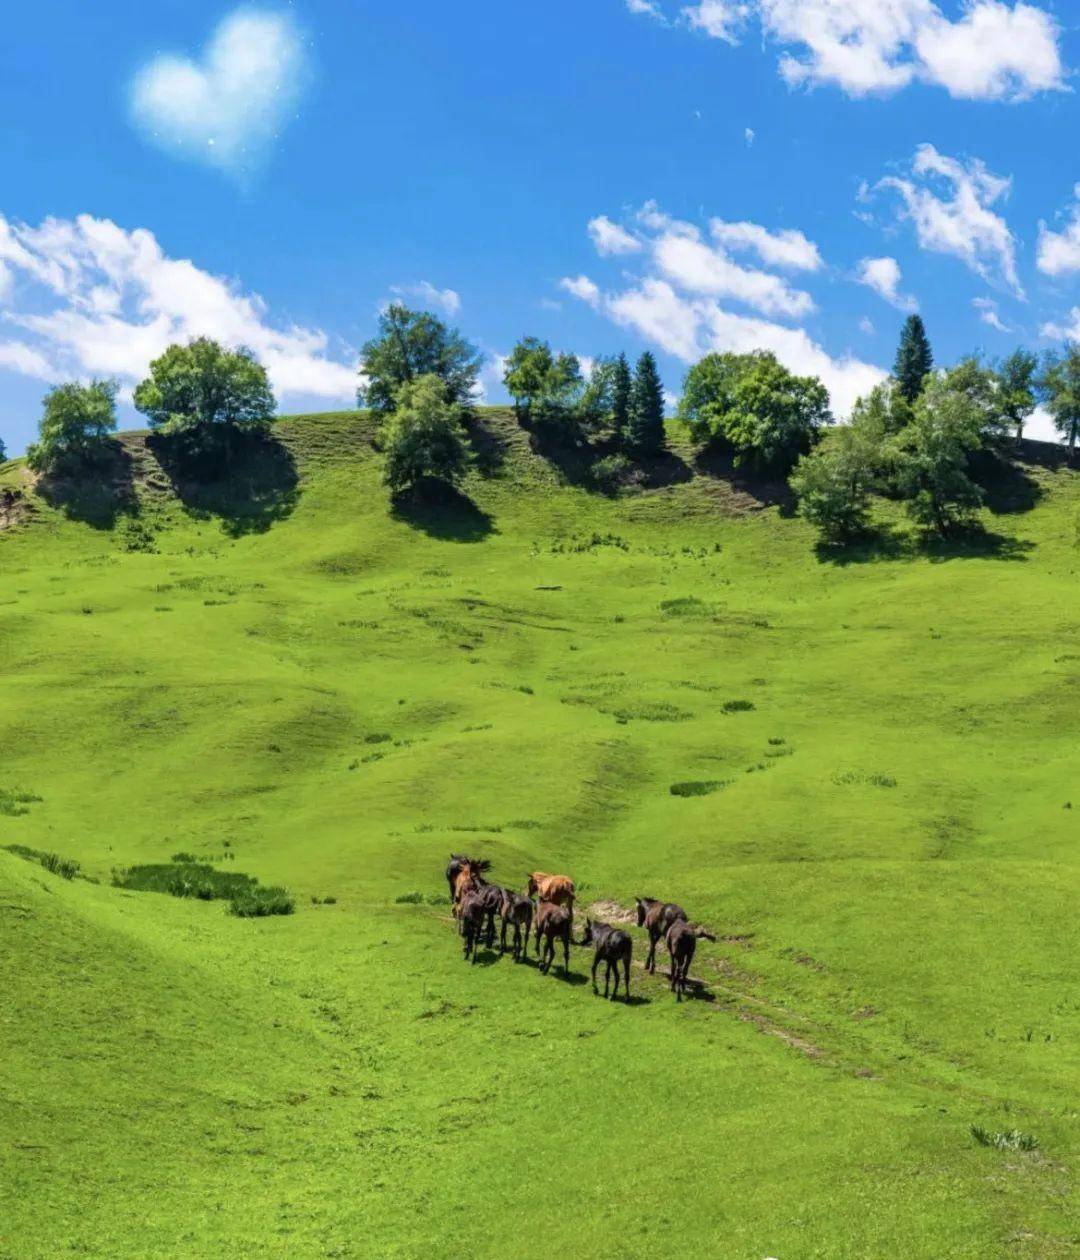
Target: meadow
<point x="858" y="767"/>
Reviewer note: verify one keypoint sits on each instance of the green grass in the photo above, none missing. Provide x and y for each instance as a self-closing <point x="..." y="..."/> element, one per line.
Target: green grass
<point x="287" y="677"/>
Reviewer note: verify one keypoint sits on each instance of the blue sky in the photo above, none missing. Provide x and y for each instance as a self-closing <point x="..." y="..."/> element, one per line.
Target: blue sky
<point x="608" y="174"/>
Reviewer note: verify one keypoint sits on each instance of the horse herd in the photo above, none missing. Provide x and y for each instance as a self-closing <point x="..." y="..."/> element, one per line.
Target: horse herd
<point x="476" y="904"/>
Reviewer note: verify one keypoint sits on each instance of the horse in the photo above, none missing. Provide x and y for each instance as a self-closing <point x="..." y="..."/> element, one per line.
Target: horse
<point x="612" y="946"/>
<point x="553" y="923"/>
<point x="517" y="912"/>
<point x="656" y="917"/>
<point x="682" y="941"/>
<point x="471" y="913"/>
<point x="492" y="896"/>
<point x="558" y="889"/>
<point x="457" y="861"/>
<point x="469" y="878"/>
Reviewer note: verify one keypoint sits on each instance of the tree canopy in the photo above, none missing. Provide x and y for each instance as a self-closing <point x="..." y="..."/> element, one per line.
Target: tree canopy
<point x="1060" y="386"/>
<point x="75" y="426"/>
<point x="644" y="434"/>
<point x="934" y="453"/>
<point x="206" y="393"/>
<point x="1017" y="378"/>
<point x="546" y="386"/>
<point x="914" y="358"/>
<point x="753" y="405"/>
<point x="412" y="344"/>
<point x="834" y="483"/>
<point x="425" y="436"/>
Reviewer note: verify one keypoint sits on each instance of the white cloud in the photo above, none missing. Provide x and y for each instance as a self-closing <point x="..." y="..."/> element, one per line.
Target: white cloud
<point x="1059" y="252"/>
<point x="786" y="248"/>
<point x="721" y="19"/>
<point x="883" y="276"/>
<point x="581" y="287"/>
<point x="91" y="298"/>
<point x="650" y="8"/>
<point x="992" y="51"/>
<point x="866" y="325"/>
<point x="445" y="300"/>
<point x="988" y="313"/>
<point x="749" y="135"/>
<point x="676" y="306"/>
<point x="960" y="220"/>
<point x="609" y="238"/>
<point x="227" y="109"/>
<point x="1067" y="331"/>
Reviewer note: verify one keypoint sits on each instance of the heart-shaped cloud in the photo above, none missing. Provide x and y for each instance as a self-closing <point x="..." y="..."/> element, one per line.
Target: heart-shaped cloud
<point x="227" y="109"/>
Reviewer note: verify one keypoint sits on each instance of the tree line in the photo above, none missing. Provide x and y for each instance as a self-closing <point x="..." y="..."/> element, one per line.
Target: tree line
<point x="913" y="437"/>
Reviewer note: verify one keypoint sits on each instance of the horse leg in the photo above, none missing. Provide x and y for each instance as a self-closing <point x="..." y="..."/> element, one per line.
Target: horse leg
<point x="595" y="964"/>
<point x="566" y="953"/>
<point x="607" y="978"/>
<point x="626" y="979"/>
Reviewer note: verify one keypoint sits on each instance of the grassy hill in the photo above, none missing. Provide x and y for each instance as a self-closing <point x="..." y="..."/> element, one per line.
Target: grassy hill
<point x="875" y="762"/>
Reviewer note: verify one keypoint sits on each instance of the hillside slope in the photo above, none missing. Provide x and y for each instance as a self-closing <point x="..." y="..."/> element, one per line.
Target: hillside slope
<point x="286" y="678"/>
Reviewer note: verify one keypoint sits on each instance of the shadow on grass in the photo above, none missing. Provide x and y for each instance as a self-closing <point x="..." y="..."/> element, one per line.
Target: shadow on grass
<point x="441" y="511"/>
<point x="888" y="544"/>
<point x="575" y="456"/>
<point x="488" y="447"/>
<point x="260" y="485"/>
<point x="97" y="495"/>
<point x="1008" y="486"/>
<point x="769" y="490"/>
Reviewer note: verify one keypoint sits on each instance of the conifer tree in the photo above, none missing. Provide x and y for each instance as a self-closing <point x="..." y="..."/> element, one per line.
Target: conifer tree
<point x="621" y="388"/>
<point x="914" y="358"/>
<point x="645" y="430"/>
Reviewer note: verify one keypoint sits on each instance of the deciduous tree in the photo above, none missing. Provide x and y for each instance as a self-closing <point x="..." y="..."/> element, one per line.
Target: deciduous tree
<point x="1060" y="386"/>
<point x="425" y="437"/>
<point x="411" y="344"/>
<point x="75" y="427"/>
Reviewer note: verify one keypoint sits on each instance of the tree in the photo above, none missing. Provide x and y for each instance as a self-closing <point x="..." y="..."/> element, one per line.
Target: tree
<point x="206" y="395"/>
<point x="982" y="387"/>
<point x="1017" y="383"/>
<point x="411" y="344"/>
<point x="75" y="427"/>
<point x="645" y="423"/>
<point x="1060" y="386"/>
<point x="621" y="388"/>
<point x="884" y="408"/>
<point x="425" y="437"/>
<point x="543" y="385"/>
<point x="914" y="358"/>
<point x="754" y="406"/>
<point x="3" y="451"/>
<point x="835" y="482"/>
<point x="933" y="454"/>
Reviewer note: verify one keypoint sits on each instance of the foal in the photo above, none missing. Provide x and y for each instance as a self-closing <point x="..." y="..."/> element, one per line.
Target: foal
<point x="657" y="917"/>
<point x="612" y="946"/>
<point x="553" y="923"/>
<point x="682" y="941"/>
<point x="517" y="912"/>
<point x="471" y="914"/>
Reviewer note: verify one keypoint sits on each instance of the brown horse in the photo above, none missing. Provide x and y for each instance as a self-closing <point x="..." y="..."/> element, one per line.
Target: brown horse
<point x="553" y="923"/>
<point x="517" y="912"/>
<point x="469" y="878"/>
<point x="656" y="917"/>
<point x="459" y="860"/>
<point x="682" y="941"/>
<point x="612" y="946"/>
<point x="558" y="889"/>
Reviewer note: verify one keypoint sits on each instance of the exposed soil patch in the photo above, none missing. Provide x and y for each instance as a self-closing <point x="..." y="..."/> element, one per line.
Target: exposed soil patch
<point x="15" y="507"/>
<point x="611" y="912"/>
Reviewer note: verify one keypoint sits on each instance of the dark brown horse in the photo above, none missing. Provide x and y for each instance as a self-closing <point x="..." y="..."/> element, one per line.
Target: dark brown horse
<point x="517" y="912"/>
<point x="656" y="917"/>
<point x="492" y="896"/>
<point x="612" y="946"/>
<point x="469" y="878"/>
<point x="471" y="915"/>
<point x="553" y="923"/>
<point x="682" y="941"/>
<point x="459" y="860"/>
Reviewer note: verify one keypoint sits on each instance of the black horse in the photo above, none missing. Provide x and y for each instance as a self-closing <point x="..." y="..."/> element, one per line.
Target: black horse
<point x="471" y="915"/>
<point x="553" y="923"/>
<point x="682" y="941"/>
<point x="517" y="912"/>
<point x="656" y="917"/>
<point x="612" y="946"/>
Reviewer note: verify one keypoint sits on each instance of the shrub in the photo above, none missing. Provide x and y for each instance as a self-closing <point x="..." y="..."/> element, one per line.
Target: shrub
<point x="1011" y="1140"/>
<point x="738" y="706"/>
<point x="63" y="867"/>
<point x="13" y="803"/>
<point x="409" y="899"/>
<point x="257" y="903"/>
<point x="609" y="473"/>
<point x="425" y="438"/>
<point x="700" y="787"/>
